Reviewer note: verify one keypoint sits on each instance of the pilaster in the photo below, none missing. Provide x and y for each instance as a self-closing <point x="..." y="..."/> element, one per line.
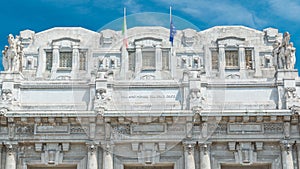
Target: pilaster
<point x="189" y="148"/>
<point x="138" y="59"/>
<point x="242" y="61"/>
<point x="158" y="57"/>
<point x="108" y="157"/>
<point x="204" y="156"/>
<point x="55" y="59"/>
<point x="92" y="156"/>
<point x="222" y="61"/>
<point x="75" y="60"/>
<point x="287" y="155"/>
<point x="11" y="162"/>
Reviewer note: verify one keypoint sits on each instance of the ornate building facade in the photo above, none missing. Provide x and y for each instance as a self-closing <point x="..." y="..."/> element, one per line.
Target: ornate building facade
<point x="223" y="98"/>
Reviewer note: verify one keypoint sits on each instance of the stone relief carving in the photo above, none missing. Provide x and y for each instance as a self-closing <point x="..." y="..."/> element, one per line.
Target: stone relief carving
<point x="290" y="93"/>
<point x="196" y="98"/>
<point x="107" y="38"/>
<point x="101" y="99"/>
<point x="284" y="53"/>
<point x="13" y="54"/>
<point x="119" y="131"/>
<point x="6" y="95"/>
<point x="189" y="37"/>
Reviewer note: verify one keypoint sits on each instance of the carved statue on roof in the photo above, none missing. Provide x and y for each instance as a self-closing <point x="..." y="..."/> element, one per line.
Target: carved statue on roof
<point x="12" y="55"/>
<point x="284" y="53"/>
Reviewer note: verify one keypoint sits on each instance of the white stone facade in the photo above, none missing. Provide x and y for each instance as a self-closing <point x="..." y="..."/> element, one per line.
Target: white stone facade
<point x="226" y="97"/>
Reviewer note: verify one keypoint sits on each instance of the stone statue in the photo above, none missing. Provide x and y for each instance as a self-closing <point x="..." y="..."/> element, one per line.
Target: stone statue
<point x="13" y="54"/>
<point x="284" y="53"/>
<point x="290" y="56"/>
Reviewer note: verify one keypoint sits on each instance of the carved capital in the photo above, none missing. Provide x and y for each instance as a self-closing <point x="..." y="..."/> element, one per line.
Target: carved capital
<point x="286" y="146"/>
<point x="92" y="148"/>
<point x="189" y="147"/>
<point x="205" y="148"/>
<point x="11" y="147"/>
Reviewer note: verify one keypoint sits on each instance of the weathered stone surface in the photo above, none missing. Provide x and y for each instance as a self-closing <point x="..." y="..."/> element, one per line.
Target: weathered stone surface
<point x="225" y="97"/>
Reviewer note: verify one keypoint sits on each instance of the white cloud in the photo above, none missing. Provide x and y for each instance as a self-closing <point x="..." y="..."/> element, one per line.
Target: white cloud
<point x="132" y="6"/>
<point x="217" y="12"/>
<point x="286" y="9"/>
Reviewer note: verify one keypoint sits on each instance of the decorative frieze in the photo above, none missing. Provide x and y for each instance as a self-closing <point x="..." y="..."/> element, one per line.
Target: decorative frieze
<point x="120" y="131"/>
<point x="273" y="128"/>
<point x="79" y="129"/>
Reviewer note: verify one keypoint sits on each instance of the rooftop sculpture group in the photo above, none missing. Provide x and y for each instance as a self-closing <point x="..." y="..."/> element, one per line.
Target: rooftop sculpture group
<point x="284" y="53"/>
<point x="12" y="54"/>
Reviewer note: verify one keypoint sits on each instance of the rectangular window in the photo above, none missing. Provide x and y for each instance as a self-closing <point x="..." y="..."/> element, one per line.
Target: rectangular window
<point x="165" y="59"/>
<point x="232" y="59"/>
<point x="82" y="60"/>
<point x="214" y="59"/>
<point x="65" y="59"/>
<point x="249" y="60"/>
<point x="148" y="60"/>
<point x="131" y="55"/>
<point x="49" y="58"/>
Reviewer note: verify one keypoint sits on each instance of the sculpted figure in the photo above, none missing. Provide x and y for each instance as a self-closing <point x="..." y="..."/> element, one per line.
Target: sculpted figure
<point x="290" y="56"/>
<point x="286" y="39"/>
<point x="275" y="52"/>
<point x="12" y="54"/>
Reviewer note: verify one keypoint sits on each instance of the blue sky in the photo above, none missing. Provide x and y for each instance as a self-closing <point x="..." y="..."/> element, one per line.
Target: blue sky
<point x="39" y="15"/>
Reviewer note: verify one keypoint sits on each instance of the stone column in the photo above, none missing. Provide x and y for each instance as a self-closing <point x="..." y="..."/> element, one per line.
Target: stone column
<point x="158" y="58"/>
<point x="287" y="156"/>
<point x="10" y="162"/>
<point x="75" y="59"/>
<point x="55" y="59"/>
<point x="108" y="158"/>
<point x="222" y="61"/>
<point x="189" y="155"/>
<point x="242" y="61"/>
<point x="204" y="156"/>
<point x="92" y="157"/>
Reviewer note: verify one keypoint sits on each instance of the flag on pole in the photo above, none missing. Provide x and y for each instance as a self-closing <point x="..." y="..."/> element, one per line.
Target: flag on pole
<point x="124" y="31"/>
<point x="172" y="28"/>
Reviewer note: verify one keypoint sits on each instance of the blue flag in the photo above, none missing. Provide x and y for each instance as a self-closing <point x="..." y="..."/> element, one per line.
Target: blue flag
<point x="172" y="31"/>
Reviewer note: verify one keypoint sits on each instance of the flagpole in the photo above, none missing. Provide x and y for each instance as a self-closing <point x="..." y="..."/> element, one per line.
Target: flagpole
<point x="171" y="48"/>
<point x="170" y="14"/>
<point x="124" y="12"/>
<point x="124" y="53"/>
